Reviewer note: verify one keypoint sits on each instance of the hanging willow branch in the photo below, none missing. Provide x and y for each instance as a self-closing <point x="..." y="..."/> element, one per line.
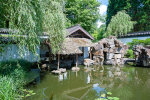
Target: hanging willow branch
<point x="120" y="24"/>
<point x="33" y="18"/>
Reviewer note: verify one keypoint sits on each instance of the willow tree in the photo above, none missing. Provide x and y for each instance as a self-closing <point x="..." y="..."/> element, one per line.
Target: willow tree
<point x="32" y="19"/>
<point x="120" y="24"/>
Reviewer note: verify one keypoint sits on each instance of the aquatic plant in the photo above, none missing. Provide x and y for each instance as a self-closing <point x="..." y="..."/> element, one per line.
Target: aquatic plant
<point x="12" y="90"/>
<point x="107" y="96"/>
<point x="8" y="90"/>
<point x="12" y="79"/>
<point x="17" y="69"/>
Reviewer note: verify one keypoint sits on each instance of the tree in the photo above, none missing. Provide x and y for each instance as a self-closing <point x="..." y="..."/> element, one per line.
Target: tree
<point x="114" y="6"/>
<point x="137" y="9"/>
<point x="98" y="34"/>
<point x="144" y="18"/>
<point x="120" y="24"/>
<point x="33" y="18"/>
<point x="83" y="12"/>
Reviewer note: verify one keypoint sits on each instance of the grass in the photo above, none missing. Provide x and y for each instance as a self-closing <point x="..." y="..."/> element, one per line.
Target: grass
<point x="12" y="78"/>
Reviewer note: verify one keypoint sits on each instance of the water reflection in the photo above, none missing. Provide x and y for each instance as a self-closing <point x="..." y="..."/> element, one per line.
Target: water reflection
<point x="62" y="77"/>
<point x="65" y="76"/>
<point x="98" y="89"/>
<point x="127" y="83"/>
<point x="88" y="79"/>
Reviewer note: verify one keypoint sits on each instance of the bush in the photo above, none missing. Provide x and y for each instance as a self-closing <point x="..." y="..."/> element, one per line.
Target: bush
<point x="8" y="88"/>
<point x="130" y="54"/>
<point x="12" y="78"/>
<point x="8" y="67"/>
<point x="139" y="42"/>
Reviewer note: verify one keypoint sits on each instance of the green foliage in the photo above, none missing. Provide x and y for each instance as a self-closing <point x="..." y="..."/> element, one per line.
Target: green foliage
<point x="139" y="42"/>
<point x="137" y="9"/>
<point x="136" y="42"/>
<point x="17" y="69"/>
<point x="12" y="79"/>
<point x="120" y="24"/>
<point x="8" y="67"/>
<point x="130" y="53"/>
<point x="8" y="89"/>
<point x="34" y="18"/>
<point x="83" y="12"/>
<point x="98" y="34"/>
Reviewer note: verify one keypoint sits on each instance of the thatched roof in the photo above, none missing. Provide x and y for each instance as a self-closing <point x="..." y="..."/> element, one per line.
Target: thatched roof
<point x="71" y="45"/>
<point x="82" y="42"/>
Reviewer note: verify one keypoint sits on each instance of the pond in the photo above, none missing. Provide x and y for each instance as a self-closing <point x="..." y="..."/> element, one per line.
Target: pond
<point x="125" y="82"/>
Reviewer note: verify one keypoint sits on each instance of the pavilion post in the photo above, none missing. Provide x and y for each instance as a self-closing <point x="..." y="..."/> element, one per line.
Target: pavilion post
<point x="90" y="54"/>
<point x="58" y="61"/>
<point x="76" y="60"/>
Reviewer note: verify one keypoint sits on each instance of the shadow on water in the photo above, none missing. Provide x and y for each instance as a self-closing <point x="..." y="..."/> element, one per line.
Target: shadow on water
<point x="125" y="82"/>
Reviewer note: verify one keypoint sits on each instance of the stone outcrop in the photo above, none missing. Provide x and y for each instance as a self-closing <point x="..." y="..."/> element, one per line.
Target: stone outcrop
<point x="109" y="51"/>
<point x="142" y="55"/>
<point x="88" y="62"/>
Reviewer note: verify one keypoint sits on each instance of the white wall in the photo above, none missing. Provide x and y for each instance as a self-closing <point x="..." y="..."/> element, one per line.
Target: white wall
<point x="129" y="39"/>
<point x="12" y="52"/>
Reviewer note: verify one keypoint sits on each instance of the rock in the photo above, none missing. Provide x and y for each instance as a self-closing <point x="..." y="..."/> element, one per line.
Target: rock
<point x="62" y="70"/>
<point x="142" y="55"/>
<point x="117" y="56"/>
<point x="56" y="72"/>
<point x="88" y="62"/>
<point x="117" y="73"/>
<point x="75" y="68"/>
<point x="59" y="71"/>
<point x="109" y="51"/>
<point x="44" y="66"/>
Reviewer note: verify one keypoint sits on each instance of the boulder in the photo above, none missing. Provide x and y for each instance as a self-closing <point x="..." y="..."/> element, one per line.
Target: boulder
<point x="110" y="51"/>
<point x="88" y="62"/>
<point x="75" y="68"/>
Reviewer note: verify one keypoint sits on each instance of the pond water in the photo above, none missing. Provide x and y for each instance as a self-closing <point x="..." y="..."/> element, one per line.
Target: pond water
<point x="125" y="82"/>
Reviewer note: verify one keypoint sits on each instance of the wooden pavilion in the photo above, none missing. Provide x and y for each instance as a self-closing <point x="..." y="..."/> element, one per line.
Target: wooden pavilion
<point x="75" y="48"/>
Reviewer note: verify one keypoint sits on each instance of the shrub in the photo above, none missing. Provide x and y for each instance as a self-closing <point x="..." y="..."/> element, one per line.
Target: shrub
<point x="139" y="42"/>
<point x="8" y="89"/>
<point x="130" y="54"/>
<point x="12" y="78"/>
<point x="17" y="69"/>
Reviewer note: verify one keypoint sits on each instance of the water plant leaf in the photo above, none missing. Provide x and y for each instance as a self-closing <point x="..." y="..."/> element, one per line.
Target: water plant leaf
<point x="103" y="95"/>
<point x="116" y="98"/>
<point x="109" y="93"/>
<point x="33" y="93"/>
<point x="110" y="98"/>
<point x="28" y="95"/>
